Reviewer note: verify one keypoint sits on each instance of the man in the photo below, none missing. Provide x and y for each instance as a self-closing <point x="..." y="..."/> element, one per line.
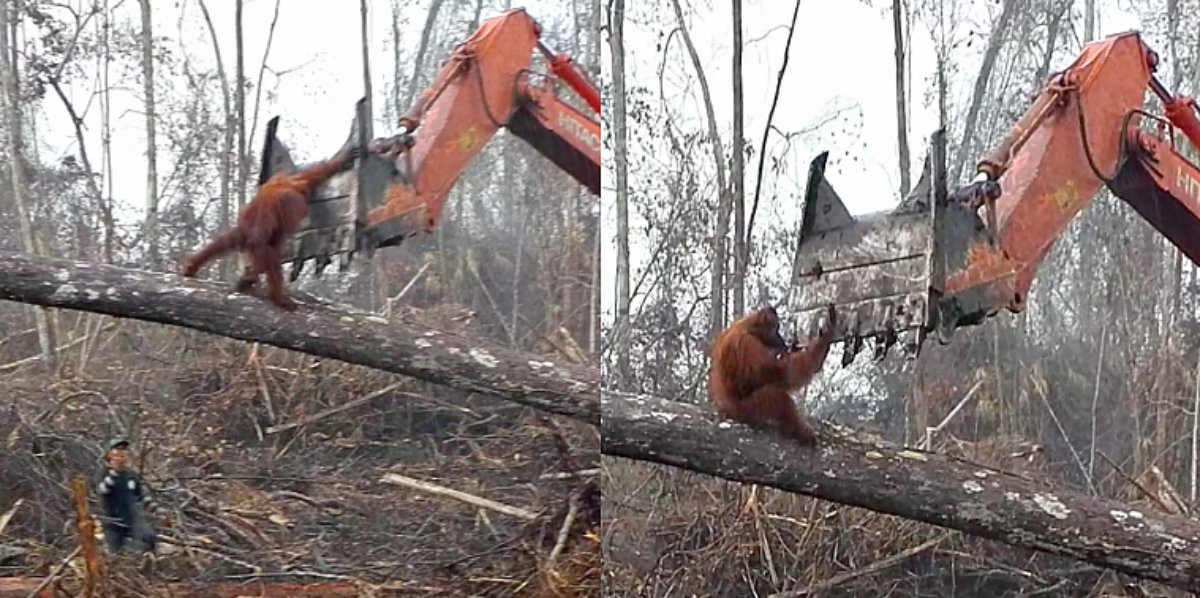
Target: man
<point x="124" y="497"/>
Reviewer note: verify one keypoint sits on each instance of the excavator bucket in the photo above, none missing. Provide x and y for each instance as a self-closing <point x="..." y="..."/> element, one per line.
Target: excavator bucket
<point x="884" y="273"/>
<point x="336" y="225"/>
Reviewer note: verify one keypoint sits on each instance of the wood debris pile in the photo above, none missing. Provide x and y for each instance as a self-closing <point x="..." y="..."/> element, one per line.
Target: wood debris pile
<point x="269" y="468"/>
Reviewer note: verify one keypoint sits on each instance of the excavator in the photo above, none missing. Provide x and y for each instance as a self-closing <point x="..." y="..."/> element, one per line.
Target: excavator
<point x="944" y="259"/>
<point x="397" y="189"/>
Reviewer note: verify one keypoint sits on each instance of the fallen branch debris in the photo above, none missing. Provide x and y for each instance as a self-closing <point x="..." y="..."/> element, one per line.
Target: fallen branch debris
<point x="874" y="567"/>
<point x="407" y="482"/>
<point x="348" y="405"/>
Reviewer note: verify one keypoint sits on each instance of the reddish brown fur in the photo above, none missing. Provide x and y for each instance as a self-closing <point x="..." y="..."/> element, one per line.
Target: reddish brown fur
<point x="753" y="372"/>
<point x="265" y="225"/>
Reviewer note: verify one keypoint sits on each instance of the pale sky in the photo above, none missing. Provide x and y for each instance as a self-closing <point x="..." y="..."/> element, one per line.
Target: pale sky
<point x="841" y="55"/>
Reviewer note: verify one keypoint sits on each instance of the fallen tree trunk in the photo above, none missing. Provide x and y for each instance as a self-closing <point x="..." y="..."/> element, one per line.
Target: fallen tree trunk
<point x="324" y="330"/>
<point x="927" y="487"/>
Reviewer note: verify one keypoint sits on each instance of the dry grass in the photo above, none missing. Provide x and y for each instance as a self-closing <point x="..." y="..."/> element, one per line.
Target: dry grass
<point x="304" y="505"/>
<point x="670" y="532"/>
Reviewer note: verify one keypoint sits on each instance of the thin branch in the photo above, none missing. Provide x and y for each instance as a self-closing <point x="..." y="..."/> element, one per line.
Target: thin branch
<point x="762" y="151"/>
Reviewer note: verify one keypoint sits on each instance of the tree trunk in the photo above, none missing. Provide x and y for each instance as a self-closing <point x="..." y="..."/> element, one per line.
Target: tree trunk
<point x="717" y="317"/>
<point x="151" y="148"/>
<point x="316" y="328"/>
<point x="1056" y="16"/>
<point x="921" y="486"/>
<point x="1089" y="20"/>
<point x="397" y="108"/>
<point x="370" y="268"/>
<point x="990" y="54"/>
<point x="226" y="134"/>
<point x="740" y="250"/>
<point x="616" y="42"/>
<point x="258" y="87"/>
<point x="594" y="317"/>
<point x="475" y="18"/>
<point x="901" y="110"/>
<point x="1176" y="81"/>
<point x="16" y="162"/>
<point x="240" y="100"/>
<point x="594" y="39"/>
<point x="110" y="225"/>
<point x="422" y="47"/>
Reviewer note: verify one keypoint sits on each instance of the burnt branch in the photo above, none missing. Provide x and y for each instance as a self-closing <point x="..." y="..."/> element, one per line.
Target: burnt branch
<point x="913" y="484"/>
<point x="324" y="330"/>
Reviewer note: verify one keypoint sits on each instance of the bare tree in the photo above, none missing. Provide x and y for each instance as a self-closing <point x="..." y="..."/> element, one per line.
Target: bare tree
<point x="105" y="58"/>
<point x="16" y="161"/>
<point x="990" y="54"/>
<point x="227" y="133"/>
<point x="616" y="42"/>
<point x="762" y="152"/>
<point x="901" y="110"/>
<point x="717" y="314"/>
<point x="396" y="45"/>
<point x="151" y="148"/>
<point x="422" y="47"/>
<point x="1176" y="81"/>
<point x="240" y="99"/>
<point x="738" y="174"/>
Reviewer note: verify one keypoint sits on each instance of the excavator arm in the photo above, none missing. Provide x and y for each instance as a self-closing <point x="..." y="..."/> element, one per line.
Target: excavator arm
<point x="398" y="188"/>
<point x="946" y="259"/>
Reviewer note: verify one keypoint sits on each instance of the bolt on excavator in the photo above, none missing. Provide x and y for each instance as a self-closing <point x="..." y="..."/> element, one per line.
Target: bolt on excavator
<point x="397" y="189"/>
<point x="946" y="259"/>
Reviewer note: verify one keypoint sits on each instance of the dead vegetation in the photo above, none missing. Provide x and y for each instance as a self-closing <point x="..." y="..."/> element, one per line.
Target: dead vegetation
<point x="271" y="466"/>
<point x="670" y="530"/>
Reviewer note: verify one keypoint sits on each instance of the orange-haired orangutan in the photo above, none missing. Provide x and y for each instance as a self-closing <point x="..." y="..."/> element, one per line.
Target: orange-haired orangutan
<point x="265" y="225"/>
<point x="754" y="371"/>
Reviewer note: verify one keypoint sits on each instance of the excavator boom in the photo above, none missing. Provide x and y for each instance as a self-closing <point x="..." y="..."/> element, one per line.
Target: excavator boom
<point x="946" y="259"/>
<point x="398" y="189"/>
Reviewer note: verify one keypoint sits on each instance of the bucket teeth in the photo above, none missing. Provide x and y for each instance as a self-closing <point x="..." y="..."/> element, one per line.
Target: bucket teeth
<point x="883" y="272"/>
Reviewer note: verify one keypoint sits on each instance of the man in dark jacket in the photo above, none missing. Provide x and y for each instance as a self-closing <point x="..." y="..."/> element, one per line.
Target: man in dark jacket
<point x="124" y="497"/>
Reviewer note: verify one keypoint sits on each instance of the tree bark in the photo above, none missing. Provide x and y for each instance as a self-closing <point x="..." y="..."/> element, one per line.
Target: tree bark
<point x="740" y="251"/>
<point x="990" y="54"/>
<point x="16" y="160"/>
<point x="616" y="42"/>
<point x="717" y="315"/>
<point x="316" y="328"/>
<point x="901" y="110"/>
<point x="151" y="147"/>
<point x="927" y="487"/>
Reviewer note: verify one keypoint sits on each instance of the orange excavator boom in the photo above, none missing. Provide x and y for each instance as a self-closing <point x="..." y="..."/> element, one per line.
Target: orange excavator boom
<point x="945" y="259"/>
<point x="398" y="189"/>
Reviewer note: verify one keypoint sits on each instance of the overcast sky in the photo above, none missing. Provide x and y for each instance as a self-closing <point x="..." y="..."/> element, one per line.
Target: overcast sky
<point x="316" y="101"/>
<point x="841" y="56"/>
